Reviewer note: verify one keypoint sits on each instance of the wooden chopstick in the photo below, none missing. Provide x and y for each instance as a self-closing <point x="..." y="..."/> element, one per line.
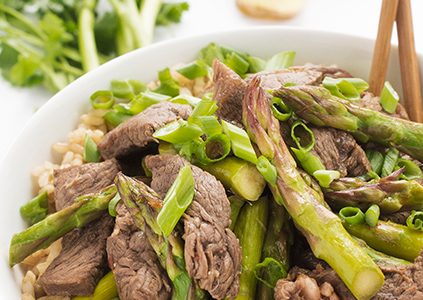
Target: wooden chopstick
<point x="408" y="62"/>
<point x="399" y="11"/>
<point x="382" y="47"/>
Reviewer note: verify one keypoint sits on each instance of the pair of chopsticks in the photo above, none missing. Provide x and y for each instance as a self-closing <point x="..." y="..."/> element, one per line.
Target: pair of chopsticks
<point x="398" y="11"/>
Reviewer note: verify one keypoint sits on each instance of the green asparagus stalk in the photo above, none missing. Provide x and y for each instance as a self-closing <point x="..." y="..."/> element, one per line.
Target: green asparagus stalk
<point x="318" y="106"/>
<point x="144" y="205"/>
<point x="250" y="229"/>
<point x="322" y="228"/>
<point x="40" y="235"/>
<point x="237" y="175"/>
<point x="381" y="258"/>
<point x="277" y="243"/>
<point x="236" y="205"/>
<point x="390" y="238"/>
<point x="390" y="195"/>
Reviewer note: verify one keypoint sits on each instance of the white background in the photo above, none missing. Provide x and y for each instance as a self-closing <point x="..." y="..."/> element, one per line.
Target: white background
<point x="358" y="17"/>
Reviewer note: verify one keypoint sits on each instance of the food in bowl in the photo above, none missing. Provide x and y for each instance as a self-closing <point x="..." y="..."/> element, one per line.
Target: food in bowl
<point x="207" y="226"/>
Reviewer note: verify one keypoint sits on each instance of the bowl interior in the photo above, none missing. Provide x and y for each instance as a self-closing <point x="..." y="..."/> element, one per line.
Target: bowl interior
<point x="60" y="115"/>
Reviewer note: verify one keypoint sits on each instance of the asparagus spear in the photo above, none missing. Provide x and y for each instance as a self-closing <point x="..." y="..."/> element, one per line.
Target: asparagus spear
<point x="236" y="205"/>
<point x="390" y="238"/>
<point x="250" y="228"/>
<point x="144" y="205"/>
<point x="318" y="106"/>
<point x="390" y="195"/>
<point x="381" y="258"/>
<point x="276" y="245"/>
<point x="237" y="175"/>
<point x="40" y="235"/>
<point x="322" y="228"/>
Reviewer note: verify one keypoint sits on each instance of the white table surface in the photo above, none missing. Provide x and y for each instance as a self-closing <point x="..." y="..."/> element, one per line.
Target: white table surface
<point x="358" y="17"/>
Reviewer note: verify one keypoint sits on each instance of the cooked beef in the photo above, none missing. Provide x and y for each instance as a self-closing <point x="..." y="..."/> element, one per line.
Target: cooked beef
<point x="336" y="149"/>
<point x="212" y="251"/>
<point x="137" y="271"/>
<point x="398" y="217"/>
<point x="136" y="133"/>
<point x="401" y="282"/>
<point x="82" y="261"/>
<point x="333" y="72"/>
<point x="301" y="286"/>
<point x="75" y="181"/>
<point x="229" y="91"/>
<point x="368" y="100"/>
<point x="299" y="75"/>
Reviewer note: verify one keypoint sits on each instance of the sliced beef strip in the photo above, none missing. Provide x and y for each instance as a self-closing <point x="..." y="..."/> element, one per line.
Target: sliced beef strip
<point x="73" y="182"/>
<point x="402" y="282"/>
<point x="82" y="261"/>
<point x="299" y="75"/>
<point x="301" y="286"/>
<point x="336" y="149"/>
<point x="229" y="91"/>
<point x="328" y="71"/>
<point x="137" y="271"/>
<point x="229" y="87"/>
<point x="136" y="133"/>
<point x="212" y="251"/>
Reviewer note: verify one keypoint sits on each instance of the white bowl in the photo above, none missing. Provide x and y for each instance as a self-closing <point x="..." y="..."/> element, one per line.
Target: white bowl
<point x="59" y="115"/>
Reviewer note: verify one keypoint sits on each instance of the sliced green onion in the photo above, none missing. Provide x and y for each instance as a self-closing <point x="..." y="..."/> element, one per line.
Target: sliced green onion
<point x="345" y="88"/>
<point x="371" y="216"/>
<point x="241" y="143"/>
<point x="297" y="141"/>
<point x="204" y="108"/>
<point x="389" y="161"/>
<point x="376" y="160"/>
<point x="273" y="268"/>
<point x="280" y="61"/>
<point x="127" y="89"/>
<point x="229" y="50"/>
<point x="238" y="64"/>
<point x="352" y="215"/>
<point x="168" y="85"/>
<point x="35" y="209"/>
<point x="194" y="70"/>
<point x="91" y="154"/>
<point x="115" y="117"/>
<point x="102" y="99"/>
<point x="267" y="169"/>
<point x="280" y="110"/>
<point x="389" y="98"/>
<point x="203" y="153"/>
<point x="411" y="172"/>
<point x="208" y="53"/>
<point x="415" y="220"/>
<point x="369" y="176"/>
<point x="309" y="162"/>
<point x="325" y="177"/>
<point x="141" y="102"/>
<point x="112" y="205"/>
<point x="177" y="200"/>
<point x="165" y="147"/>
<point x="209" y="124"/>
<point x="256" y="64"/>
<point x="186" y="99"/>
<point x="178" y="132"/>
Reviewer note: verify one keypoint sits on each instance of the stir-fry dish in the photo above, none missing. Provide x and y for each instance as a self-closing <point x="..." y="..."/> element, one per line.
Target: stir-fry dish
<point x="231" y="177"/>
